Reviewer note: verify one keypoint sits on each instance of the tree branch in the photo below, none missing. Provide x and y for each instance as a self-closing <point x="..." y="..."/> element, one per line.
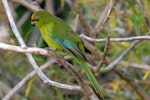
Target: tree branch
<point x="28" y="5"/>
<point x="104" y="16"/>
<point x="97" y="68"/>
<point x="86" y="27"/>
<point x="113" y="64"/>
<point x="116" y="39"/>
<point x="143" y="11"/>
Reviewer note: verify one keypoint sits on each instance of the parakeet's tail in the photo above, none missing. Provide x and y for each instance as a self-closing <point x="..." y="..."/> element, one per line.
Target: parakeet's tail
<point x="91" y="77"/>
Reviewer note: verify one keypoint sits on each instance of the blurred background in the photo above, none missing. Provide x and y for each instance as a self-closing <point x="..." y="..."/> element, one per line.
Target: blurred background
<point x="125" y="20"/>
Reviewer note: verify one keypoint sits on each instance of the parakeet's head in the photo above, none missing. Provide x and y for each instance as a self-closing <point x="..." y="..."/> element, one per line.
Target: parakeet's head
<point x="39" y="18"/>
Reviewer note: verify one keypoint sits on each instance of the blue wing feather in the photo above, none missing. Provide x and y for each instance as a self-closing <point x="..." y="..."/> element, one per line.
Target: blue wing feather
<point x="71" y="46"/>
<point x="66" y="43"/>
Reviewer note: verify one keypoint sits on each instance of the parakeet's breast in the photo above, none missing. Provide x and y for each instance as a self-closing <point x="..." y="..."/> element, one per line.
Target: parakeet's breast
<point x="47" y="34"/>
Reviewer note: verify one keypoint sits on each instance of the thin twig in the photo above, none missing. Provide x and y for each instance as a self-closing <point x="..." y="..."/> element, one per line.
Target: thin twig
<point x="76" y="23"/>
<point x="116" y="39"/>
<point x="27" y="5"/>
<point x="23" y="19"/>
<point x="135" y="65"/>
<point x="104" y="16"/>
<point x="143" y="11"/>
<point x="97" y="68"/>
<point x="141" y="66"/>
<point x="82" y="20"/>
<point x="113" y="64"/>
<point x="50" y="6"/>
<point x="95" y="51"/>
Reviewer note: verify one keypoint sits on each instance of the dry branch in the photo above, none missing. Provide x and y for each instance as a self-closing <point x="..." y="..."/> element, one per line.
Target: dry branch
<point x="102" y="61"/>
<point x="113" y="64"/>
<point x="86" y="27"/>
<point x="28" y="5"/>
<point x="104" y="16"/>
<point x="116" y="39"/>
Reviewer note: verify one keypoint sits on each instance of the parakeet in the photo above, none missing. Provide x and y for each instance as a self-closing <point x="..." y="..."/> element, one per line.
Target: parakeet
<point x="63" y="40"/>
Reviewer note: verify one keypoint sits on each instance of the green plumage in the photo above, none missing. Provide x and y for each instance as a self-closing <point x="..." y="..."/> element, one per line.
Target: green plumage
<point x="64" y="40"/>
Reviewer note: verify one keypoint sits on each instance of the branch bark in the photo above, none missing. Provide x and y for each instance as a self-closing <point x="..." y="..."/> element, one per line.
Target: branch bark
<point x="86" y="27"/>
<point x="147" y="37"/>
<point x="27" y="5"/>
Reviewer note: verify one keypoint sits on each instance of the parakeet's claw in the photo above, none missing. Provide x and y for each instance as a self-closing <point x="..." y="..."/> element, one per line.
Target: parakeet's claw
<point x="51" y="49"/>
<point x="24" y="47"/>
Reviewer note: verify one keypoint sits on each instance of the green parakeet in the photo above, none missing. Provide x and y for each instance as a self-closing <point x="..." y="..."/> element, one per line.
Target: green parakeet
<point x="60" y="37"/>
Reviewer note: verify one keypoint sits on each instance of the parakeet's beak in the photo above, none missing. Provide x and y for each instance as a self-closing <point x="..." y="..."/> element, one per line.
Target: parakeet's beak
<point x="32" y="23"/>
<point x="33" y="20"/>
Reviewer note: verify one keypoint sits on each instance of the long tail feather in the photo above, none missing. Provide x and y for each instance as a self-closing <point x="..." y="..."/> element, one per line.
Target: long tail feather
<point x="91" y="77"/>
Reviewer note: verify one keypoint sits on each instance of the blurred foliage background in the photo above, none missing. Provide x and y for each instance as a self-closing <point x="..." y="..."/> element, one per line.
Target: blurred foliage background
<point x="125" y="20"/>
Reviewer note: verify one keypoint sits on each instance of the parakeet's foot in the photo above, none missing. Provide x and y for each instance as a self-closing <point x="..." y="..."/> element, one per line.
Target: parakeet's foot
<point x="51" y="49"/>
<point x="24" y="47"/>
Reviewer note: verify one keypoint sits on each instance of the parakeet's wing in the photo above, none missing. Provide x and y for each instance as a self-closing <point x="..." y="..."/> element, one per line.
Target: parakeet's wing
<point x="68" y="39"/>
